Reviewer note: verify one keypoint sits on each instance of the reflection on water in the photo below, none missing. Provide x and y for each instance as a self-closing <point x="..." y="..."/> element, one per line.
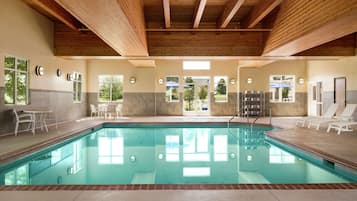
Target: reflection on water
<point x="168" y="155"/>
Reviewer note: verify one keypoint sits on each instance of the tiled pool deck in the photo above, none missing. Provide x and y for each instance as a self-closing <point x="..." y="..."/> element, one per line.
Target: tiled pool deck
<point x="337" y="148"/>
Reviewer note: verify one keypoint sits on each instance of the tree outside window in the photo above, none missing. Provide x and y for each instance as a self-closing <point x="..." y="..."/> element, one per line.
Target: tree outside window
<point x="110" y="88"/>
<point x="16" y="81"/>
<point x="220" y="89"/>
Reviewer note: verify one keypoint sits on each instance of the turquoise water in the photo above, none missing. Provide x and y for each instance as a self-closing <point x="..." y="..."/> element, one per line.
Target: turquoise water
<point x="148" y="154"/>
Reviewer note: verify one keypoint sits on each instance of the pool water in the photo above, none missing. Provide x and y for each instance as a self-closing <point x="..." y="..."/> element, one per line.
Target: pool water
<point x="169" y="154"/>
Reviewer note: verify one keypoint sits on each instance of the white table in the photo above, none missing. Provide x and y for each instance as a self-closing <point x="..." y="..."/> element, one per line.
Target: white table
<point x="39" y="116"/>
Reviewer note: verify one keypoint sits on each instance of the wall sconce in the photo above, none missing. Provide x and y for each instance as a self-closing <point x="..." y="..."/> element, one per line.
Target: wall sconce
<point x="132" y="80"/>
<point x="249" y="80"/>
<point x="70" y="76"/>
<point x="39" y="70"/>
<point x="59" y="72"/>
<point x="232" y="81"/>
<point x="161" y="81"/>
<point x="301" y="80"/>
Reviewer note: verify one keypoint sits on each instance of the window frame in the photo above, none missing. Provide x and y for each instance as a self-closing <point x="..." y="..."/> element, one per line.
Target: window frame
<point x="77" y="82"/>
<point x="178" y="89"/>
<point x="111" y="89"/>
<point x="214" y="86"/>
<point x="280" y="89"/>
<point x="16" y="71"/>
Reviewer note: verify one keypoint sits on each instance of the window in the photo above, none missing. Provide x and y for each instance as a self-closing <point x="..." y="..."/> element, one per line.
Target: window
<point x="282" y="88"/>
<point x="16" y="81"/>
<point x="77" y="87"/>
<point x="220" y="89"/>
<point x="196" y="65"/>
<point x="110" y="88"/>
<point x="277" y="155"/>
<point x="195" y="144"/>
<point x="220" y="147"/>
<point x="172" y="148"/>
<point x="110" y="148"/>
<point x="196" y="171"/>
<point x="19" y="176"/>
<point x="172" y="85"/>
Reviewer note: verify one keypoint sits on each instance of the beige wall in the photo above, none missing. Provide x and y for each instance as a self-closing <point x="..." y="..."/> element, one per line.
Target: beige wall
<point x="27" y="34"/>
<point x="260" y="75"/>
<point x="147" y="77"/>
<point x="326" y="71"/>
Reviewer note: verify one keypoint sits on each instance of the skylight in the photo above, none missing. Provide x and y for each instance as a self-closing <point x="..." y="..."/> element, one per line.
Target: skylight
<point x="196" y="65"/>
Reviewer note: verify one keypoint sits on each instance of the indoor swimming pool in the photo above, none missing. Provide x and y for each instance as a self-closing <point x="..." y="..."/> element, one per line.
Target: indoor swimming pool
<point x="171" y="154"/>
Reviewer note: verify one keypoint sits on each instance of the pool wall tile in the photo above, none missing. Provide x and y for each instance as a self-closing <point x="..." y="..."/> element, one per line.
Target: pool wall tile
<point x="60" y="102"/>
<point x="224" y="108"/>
<point x="298" y="108"/>
<point x="180" y="187"/>
<point x="168" y="108"/>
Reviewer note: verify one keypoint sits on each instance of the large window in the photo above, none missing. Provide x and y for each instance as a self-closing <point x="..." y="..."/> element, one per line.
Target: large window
<point x="196" y="144"/>
<point x="196" y="65"/>
<point x="172" y="85"/>
<point x="220" y="89"/>
<point x="77" y="87"/>
<point x="110" y="88"/>
<point x="16" y="81"/>
<point x="110" y="147"/>
<point x="282" y="88"/>
<point x="277" y="155"/>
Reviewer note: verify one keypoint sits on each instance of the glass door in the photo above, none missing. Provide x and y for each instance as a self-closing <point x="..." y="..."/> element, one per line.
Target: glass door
<point x="196" y="96"/>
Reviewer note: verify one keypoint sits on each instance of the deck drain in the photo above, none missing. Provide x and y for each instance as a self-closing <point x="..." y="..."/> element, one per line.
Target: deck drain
<point x="328" y="163"/>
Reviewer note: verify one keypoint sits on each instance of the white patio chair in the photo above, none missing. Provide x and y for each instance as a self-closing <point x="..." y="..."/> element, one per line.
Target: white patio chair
<point x="118" y="109"/>
<point x="24" y="118"/>
<point x="345" y="120"/>
<point x="102" y="110"/>
<point x="93" y="111"/>
<point x="311" y="120"/>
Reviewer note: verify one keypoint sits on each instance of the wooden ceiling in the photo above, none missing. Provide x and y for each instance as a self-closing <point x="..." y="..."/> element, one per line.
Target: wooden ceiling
<point x="236" y="28"/>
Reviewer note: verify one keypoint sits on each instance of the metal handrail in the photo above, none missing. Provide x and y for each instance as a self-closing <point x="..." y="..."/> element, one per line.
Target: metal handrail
<point x="234" y="115"/>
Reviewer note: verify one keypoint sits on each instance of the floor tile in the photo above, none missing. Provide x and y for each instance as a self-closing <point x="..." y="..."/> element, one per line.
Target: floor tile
<point x="178" y="195"/>
<point x="38" y="195"/>
<point x="315" y="195"/>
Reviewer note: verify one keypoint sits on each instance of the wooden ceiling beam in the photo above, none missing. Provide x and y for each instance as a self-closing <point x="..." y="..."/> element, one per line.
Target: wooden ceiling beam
<point x="296" y="30"/>
<point x="166" y="5"/>
<point x="51" y="9"/>
<point x="69" y="42"/>
<point x="200" y="7"/>
<point x="228" y="13"/>
<point x="120" y="23"/>
<point x="260" y="11"/>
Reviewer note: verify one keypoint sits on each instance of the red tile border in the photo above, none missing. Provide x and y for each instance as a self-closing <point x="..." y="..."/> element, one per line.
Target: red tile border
<point x="180" y="187"/>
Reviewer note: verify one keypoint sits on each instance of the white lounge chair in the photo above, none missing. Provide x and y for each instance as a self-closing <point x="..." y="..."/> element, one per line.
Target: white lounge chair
<point x="327" y="116"/>
<point x="24" y="118"/>
<point x="345" y="120"/>
<point x="318" y="121"/>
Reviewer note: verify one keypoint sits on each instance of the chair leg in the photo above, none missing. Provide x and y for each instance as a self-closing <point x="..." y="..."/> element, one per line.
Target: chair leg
<point x="16" y="128"/>
<point x="329" y="128"/>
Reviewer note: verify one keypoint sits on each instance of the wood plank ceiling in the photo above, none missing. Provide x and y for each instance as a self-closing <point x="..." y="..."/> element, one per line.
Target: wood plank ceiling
<point x="258" y="28"/>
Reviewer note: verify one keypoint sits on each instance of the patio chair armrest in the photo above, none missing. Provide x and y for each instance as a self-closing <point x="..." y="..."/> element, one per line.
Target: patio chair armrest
<point x="344" y="118"/>
<point x="22" y="116"/>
